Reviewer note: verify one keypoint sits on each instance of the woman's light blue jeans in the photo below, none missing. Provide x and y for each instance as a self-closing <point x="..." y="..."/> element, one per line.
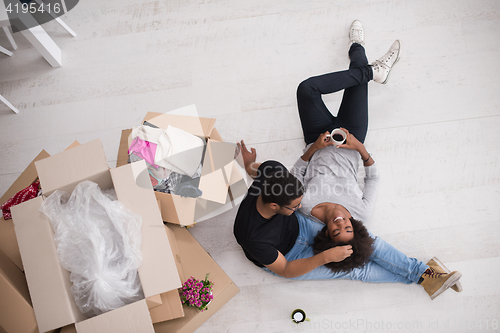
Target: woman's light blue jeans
<point x="387" y="264"/>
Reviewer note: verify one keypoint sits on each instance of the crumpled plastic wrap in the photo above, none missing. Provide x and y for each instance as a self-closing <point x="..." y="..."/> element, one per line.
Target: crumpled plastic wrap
<point x="99" y="241"/>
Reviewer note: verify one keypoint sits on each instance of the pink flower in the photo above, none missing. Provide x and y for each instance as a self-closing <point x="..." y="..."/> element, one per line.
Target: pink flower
<point x="196" y="293"/>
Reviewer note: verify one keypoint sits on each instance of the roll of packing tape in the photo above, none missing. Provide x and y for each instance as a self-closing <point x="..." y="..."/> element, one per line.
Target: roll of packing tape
<point x="299" y="316"/>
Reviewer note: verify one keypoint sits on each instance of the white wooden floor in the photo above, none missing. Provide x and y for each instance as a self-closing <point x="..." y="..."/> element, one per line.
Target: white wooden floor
<point x="434" y="131"/>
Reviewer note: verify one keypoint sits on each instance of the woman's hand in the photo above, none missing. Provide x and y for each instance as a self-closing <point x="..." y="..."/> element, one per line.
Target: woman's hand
<point x="323" y="141"/>
<point x="351" y="142"/>
<point x="337" y="254"/>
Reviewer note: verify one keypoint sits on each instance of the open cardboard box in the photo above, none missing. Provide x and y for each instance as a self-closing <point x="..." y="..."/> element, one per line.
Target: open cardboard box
<point x="49" y="283"/>
<point x="222" y="180"/>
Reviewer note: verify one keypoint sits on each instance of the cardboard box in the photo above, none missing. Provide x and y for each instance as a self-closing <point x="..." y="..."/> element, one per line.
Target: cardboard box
<point x="16" y="313"/>
<point x="193" y="260"/>
<point x="49" y="283"/>
<point x="221" y="180"/>
<point x="8" y="241"/>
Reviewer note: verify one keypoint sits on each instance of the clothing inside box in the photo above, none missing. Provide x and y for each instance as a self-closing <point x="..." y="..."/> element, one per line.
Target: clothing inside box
<point x="30" y="192"/>
<point x="166" y="177"/>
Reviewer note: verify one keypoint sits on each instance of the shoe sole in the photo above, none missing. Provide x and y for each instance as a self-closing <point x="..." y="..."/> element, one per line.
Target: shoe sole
<point x="444" y="268"/>
<point x="395" y="62"/>
<point x="447" y="284"/>
<point x="349" y="34"/>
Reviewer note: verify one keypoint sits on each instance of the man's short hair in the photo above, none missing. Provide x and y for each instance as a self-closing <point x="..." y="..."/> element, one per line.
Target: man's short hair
<point x="281" y="188"/>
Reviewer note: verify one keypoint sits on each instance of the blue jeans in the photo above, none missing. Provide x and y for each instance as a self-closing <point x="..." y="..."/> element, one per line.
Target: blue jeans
<point x="353" y="112"/>
<point x="387" y="264"/>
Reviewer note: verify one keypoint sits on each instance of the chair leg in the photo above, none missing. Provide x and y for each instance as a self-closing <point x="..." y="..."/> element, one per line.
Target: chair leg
<point x="5" y="51"/>
<point x="10" y="38"/>
<point x="8" y="104"/>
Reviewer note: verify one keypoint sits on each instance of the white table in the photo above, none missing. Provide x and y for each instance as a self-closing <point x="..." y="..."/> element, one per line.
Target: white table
<point x="37" y="37"/>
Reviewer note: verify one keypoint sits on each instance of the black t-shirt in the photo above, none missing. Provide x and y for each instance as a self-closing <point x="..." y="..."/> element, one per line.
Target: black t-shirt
<point x="260" y="238"/>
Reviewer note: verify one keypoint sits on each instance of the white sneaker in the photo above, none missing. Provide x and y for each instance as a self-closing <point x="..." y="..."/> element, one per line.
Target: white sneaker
<point x="382" y="67"/>
<point x="356" y="33"/>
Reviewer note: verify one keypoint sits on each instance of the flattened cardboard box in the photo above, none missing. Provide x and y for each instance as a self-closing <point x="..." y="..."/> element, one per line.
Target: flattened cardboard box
<point x="194" y="261"/>
<point x="221" y="179"/>
<point x="49" y="283"/>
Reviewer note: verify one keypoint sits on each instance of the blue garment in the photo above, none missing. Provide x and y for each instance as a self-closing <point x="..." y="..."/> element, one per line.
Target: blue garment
<point x="387" y="264"/>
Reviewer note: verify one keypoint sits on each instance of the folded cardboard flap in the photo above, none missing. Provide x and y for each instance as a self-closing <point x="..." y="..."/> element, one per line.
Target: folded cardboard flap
<point x="122" y="157"/>
<point x="215" y="135"/>
<point x="153" y="301"/>
<point x="73" y="145"/>
<point x="16" y="313"/>
<point x="48" y="281"/>
<point x="175" y="251"/>
<point x="12" y="274"/>
<point x="196" y="262"/>
<point x="65" y="170"/>
<point x="8" y="241"/>
<point x="156" y="272"/>
<point x="68" y="329"/>
<point x="129" y="318"/>
<point x="198" y="126"/>
<point x="170" y="308"/>
<point x="26" y="178"/>
<point x="221" y="154"/>
<point x="217" y="171"/>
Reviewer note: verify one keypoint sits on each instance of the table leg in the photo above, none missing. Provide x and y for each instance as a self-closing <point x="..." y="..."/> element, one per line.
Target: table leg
<point x="8" y="104"/>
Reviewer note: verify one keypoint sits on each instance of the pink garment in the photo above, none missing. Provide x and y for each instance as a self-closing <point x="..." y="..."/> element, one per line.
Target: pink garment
<point x="24" y="195"/>
<point x="154" y="181"/>
<point x="144" y="149"/>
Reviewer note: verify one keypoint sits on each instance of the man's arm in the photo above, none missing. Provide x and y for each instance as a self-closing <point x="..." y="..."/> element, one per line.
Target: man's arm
<point x="298" y="267"/>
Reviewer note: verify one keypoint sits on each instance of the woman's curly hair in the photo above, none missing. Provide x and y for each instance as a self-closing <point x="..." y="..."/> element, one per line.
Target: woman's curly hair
<point x="362" y="247"/>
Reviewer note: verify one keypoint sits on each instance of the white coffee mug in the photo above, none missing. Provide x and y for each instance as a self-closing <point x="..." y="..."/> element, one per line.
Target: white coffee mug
<point x="338" y="136"/>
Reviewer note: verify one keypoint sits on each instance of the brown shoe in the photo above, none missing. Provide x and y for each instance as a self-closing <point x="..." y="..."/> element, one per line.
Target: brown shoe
<point x="439" y="267"/>
<point x="435" y="283"/>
